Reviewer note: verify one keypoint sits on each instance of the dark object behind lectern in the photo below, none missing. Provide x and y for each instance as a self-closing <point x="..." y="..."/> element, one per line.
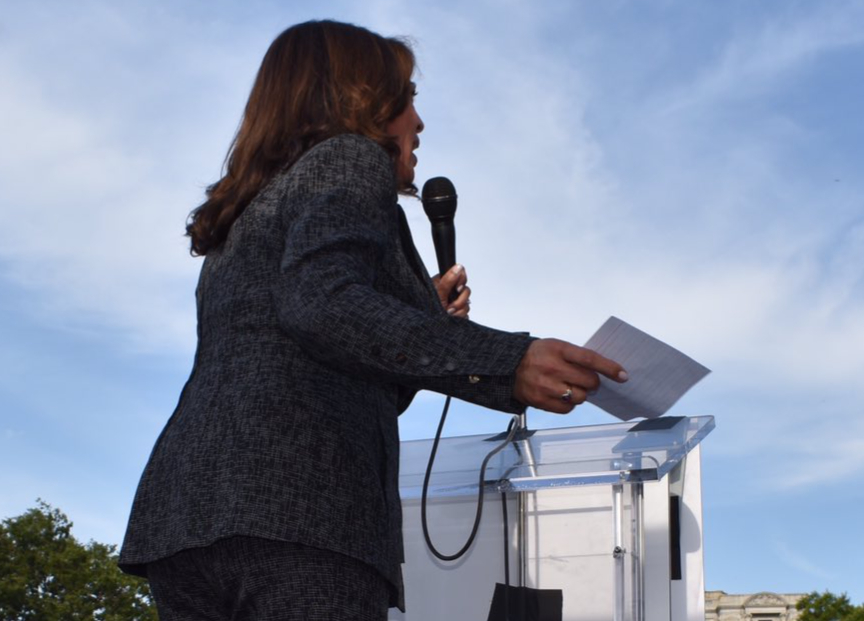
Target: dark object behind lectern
<point x="526" y="604"/>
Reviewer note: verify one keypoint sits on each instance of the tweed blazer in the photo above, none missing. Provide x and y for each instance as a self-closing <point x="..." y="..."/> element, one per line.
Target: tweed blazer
<point x="317" y="322"/>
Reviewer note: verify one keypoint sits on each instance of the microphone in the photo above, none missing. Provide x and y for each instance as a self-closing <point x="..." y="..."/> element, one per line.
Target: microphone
<point x="439" y="203"/>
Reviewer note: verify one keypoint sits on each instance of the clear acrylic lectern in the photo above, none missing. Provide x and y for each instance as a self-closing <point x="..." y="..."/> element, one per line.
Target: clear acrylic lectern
<point x="607" y="514"/>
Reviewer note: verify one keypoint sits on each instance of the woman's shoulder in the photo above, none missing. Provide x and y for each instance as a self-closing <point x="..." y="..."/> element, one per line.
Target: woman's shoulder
<point x="347" y="159"/>
<point x="349" y="168"/>
<point x="350" y="143"/>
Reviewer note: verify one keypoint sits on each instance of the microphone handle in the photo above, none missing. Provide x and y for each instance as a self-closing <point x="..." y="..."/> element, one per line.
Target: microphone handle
<point x="444" y="239"/>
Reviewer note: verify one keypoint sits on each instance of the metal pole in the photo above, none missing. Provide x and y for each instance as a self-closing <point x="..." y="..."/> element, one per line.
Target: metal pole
<point x="619" y="550"/>
<point x="522" y="505"/>
<point x="637" y="551"/>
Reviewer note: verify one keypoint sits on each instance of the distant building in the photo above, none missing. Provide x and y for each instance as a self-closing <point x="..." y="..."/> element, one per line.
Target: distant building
<point x="721" y="606"/>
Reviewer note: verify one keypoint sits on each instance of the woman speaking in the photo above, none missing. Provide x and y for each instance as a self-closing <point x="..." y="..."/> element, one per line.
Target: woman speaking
<point x="272" y="492"/>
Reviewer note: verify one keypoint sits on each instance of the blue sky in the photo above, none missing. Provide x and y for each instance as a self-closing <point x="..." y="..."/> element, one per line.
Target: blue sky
<point x="691" y="167"/>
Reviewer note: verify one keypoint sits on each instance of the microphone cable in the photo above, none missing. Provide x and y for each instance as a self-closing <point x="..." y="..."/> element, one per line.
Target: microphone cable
<point x="511" y="432"/>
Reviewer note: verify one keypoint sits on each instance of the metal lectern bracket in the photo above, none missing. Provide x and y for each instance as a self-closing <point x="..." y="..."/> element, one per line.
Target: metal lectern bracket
<point x="521" y="434"/>
<point x="641" y="475"/>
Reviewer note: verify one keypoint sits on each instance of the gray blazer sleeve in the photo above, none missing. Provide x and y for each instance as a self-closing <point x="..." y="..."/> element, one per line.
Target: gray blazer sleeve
<point x="342" y="291"/>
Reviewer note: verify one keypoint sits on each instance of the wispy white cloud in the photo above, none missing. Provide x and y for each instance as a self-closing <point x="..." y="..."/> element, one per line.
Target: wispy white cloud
<point x="793" y="558"/>
<point x="752" y="63"/>
<point x="827" y="453"/>
<point x="95" y="196"/>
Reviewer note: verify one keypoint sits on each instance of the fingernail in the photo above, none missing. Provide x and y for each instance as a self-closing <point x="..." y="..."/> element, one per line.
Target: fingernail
<point x="457" y="269"/>
<point x="622" y="376"/>
<point x="451" y="310"/>
<point x="460" y="288"/>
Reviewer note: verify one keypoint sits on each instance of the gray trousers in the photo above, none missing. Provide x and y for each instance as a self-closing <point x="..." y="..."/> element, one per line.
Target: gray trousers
<point x="246" y="579"/>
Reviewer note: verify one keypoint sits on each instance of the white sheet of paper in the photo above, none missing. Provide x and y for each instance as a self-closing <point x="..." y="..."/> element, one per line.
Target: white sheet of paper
<point x="659" y="374"/>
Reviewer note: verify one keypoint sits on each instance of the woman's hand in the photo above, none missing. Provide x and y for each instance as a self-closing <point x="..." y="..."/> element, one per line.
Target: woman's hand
<point x="454" y="279"/>
<point x="556" y="376"/>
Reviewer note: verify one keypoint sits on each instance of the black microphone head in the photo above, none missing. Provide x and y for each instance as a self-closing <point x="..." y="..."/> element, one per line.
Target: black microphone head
<point x="439" y="199"/>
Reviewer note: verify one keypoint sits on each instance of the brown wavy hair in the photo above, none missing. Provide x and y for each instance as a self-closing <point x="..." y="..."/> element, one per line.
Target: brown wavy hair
<point x="317" y="80"/>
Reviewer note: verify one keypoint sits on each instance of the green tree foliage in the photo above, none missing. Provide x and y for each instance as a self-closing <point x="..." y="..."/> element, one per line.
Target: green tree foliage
<point x="47" y="575"/>
<point x="828" y="607"/>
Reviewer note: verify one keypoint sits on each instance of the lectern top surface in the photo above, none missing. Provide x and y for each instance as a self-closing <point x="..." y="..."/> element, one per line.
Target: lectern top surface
<point x="587" y="455"/>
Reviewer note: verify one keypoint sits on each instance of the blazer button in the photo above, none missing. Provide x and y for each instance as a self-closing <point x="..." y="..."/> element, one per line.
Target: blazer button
<point x="450" y="366"/>
<point x="424" y="360"/>
<point x="473" y="379"/>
